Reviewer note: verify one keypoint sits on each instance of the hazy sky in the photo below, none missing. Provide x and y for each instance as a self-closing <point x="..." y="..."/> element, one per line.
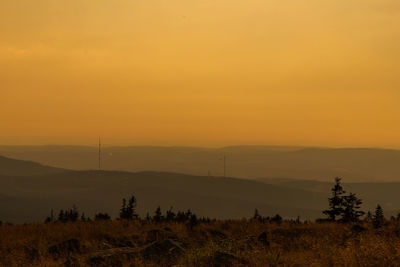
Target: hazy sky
<point x="200" y="72"/>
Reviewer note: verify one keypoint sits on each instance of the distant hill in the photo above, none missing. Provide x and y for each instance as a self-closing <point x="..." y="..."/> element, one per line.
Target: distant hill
<point x="14" y="167"/>
<point x="31" y="198"/>
<point x="353" y="164"/>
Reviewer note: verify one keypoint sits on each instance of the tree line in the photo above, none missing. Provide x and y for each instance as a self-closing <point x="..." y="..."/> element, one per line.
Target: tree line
<point x="344" y="208"/>
<point x="347" y="208"/>
<point x="128" y="212"/>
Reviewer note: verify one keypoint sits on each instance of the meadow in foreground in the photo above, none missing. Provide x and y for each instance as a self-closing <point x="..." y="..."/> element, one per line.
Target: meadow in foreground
<point x="215" y="243"/>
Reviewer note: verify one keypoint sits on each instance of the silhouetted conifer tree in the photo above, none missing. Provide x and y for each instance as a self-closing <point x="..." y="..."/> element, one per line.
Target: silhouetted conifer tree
<point x="379" y="218"/>
<point x="70" y="215"/>
<point x="132" y="208"/>
<point x="122" y="211"/>
<point x="351" y="205"/>
<point x="128" y="210"/>
<point x="102" y="216"/>
<point x="170" y="215"/>
<point x="336" y="201"/>
<point x="158" y="215"/>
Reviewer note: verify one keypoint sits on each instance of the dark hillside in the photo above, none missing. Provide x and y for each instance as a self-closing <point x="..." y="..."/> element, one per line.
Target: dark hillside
<point x="95" y="191"/>
<point x="14" y="167"/>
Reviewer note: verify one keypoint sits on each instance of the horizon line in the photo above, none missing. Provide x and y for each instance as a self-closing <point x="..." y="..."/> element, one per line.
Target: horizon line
<point x="204" y="147"/>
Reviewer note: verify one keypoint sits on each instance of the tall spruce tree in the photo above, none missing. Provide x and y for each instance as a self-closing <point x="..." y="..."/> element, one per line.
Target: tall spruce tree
<point x="351" y="208"/>
<point x="378" y="218"/>
<point x="336" y="201"/>
<point x="170" y="215"/>
<point x="128" y="210"/>
<point x="122" y="211"/>
<point x="131" y="209"/>
<point x="158" y="215"/>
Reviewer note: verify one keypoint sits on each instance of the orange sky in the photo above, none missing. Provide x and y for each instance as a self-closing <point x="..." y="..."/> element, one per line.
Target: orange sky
<point x="200" y="72"/>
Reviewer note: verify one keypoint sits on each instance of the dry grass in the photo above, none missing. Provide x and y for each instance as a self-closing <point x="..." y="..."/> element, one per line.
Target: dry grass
<point x="221" y="243"/>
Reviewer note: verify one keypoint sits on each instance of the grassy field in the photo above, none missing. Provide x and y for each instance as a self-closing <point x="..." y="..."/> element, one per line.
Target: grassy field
<point x="219" y="243"/>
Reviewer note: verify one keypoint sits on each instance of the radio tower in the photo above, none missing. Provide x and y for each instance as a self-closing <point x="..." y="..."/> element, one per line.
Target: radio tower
<point x="99" y="154"/>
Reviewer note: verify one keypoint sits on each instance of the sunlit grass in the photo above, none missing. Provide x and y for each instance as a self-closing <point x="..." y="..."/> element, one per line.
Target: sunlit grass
<point x="313" y="244"/>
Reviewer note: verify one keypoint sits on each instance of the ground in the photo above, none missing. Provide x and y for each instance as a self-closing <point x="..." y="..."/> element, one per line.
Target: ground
<point x="218" y="243"/>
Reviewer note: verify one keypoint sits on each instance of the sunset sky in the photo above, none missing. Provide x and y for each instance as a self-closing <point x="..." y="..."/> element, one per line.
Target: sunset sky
<point x="200" y="72"/>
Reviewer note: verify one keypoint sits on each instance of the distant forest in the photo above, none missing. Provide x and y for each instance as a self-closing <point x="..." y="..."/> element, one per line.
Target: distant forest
<point x="344" y="208"/>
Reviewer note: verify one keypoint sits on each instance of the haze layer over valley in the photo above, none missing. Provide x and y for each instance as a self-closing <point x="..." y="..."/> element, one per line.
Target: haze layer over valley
<point x="323" y="164"/>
